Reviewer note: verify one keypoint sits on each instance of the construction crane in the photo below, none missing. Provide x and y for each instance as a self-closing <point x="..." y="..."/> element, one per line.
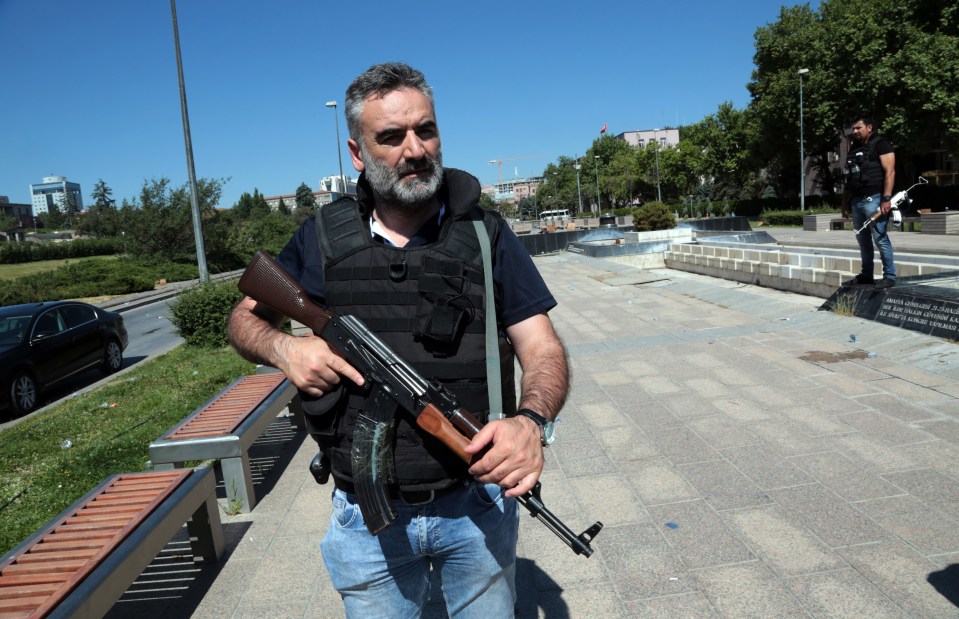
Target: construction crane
<point x="499" y="163"/>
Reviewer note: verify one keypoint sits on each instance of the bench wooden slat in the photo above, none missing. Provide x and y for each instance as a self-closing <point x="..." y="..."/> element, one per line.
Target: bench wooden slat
<point x="44" y="567"/>
<point x="230" y="407"/>
<point x="19" y="607"/>
<point x="47" y="542"/>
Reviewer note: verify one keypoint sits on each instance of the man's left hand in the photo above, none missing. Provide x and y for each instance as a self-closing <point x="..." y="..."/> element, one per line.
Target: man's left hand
<point x="515" y="456"/>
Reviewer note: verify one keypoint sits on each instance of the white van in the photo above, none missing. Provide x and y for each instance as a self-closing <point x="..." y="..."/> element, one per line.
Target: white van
<point x="558" y="218"/>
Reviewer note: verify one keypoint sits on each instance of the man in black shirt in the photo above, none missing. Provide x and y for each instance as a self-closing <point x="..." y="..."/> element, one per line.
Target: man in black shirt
<point x="870" y="176"/>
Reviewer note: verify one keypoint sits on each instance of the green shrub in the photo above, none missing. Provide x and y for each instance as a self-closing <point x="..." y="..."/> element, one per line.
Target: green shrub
<point x="200" y="314"/>
<point x="653" y="216"/>
<point x="18" y="253"/>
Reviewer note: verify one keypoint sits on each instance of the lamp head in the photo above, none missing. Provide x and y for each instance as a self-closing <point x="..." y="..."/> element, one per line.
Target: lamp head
<point x="331" y="104"/>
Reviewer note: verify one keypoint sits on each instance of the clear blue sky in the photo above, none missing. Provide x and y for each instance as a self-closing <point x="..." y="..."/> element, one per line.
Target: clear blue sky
<point x="89" y="88"/>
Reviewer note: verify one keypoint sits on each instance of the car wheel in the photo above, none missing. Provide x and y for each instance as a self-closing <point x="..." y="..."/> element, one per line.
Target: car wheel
<point x="23" y="393"/>
<point x="112" y="358"/>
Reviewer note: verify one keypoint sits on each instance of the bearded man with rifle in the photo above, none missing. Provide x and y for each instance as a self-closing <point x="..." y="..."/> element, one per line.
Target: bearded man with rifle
<point x="447" y="287"/>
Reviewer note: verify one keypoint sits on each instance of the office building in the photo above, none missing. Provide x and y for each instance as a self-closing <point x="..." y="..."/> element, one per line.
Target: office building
<point x="56" y="191"/>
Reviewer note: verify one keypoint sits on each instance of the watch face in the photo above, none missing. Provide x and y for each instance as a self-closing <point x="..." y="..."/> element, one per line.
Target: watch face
<point x="549" y="433"/>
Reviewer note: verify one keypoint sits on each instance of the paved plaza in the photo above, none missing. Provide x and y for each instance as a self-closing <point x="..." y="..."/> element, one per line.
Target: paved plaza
<point x="749" y="455"/>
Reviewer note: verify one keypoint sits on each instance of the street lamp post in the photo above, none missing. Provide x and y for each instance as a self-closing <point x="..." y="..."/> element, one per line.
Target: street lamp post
<point x="579" y="189"/>
<point x="599" y="201"/>
<point x="339" y="157"/>
<point x="659" y="193"/>
<point x="802" y="155"/>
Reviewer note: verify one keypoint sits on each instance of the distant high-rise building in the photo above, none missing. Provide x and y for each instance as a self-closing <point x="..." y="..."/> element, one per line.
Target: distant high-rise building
<point x="52" y="191"/>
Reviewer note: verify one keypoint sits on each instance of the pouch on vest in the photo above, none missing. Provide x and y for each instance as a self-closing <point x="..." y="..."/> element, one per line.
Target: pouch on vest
<point x="443" y="308"/>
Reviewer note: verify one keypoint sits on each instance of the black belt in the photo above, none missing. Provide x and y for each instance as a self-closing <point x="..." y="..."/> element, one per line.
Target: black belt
<point x="410" y="497"/>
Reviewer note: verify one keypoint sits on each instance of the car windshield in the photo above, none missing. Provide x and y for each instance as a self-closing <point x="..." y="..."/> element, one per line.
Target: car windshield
<point x="12" y="329"/>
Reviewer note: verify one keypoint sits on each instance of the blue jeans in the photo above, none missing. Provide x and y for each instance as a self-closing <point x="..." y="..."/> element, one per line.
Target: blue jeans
<point x="468" y="536"/>
<point x="862" y="210"/>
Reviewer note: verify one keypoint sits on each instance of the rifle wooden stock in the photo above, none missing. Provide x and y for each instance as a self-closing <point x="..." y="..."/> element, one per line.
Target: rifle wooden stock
<point x="264" y="279"/>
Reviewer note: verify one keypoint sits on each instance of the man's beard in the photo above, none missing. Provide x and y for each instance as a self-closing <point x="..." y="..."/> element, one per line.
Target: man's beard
<point x="413" y="193"/>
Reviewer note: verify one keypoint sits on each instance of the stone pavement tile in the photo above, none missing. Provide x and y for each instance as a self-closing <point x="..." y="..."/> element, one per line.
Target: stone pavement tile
<point x="637" y="368"/>
<point x="746" y="591"/>
<point x="657" y="482"/>
<point x="742" y="409"/>
<point x="950" y="559"/>
<point x="602" y="415"/>
<point x="917" y="376"/>
<point x="721" y="432"/>
<point x="698" y="535"/>
<point x="293" y="608"/>
<point x="913" y="392"/>
<point x="657" y="386"/>
<point x="252" y="538"/>
<point x="681" y="445"/>
<point x="787" y="437"/>
<point x="611" y="377"/>
<point x="554" y="566"/>
<point x="822" y="399"/>
<point x="949" y="408"/>
<point x="689" y="405"/>
<point x="848" y="385"/>
<point x="626" y="443"/>
<point x="785" y="381"/>
<point x="652" y="416"/>
<point x="924" y="528"/>
<point x="598" y="600"/>
<point x="733" y="376"/>
<point x="947" y="430"/>
<point x="630" y="395"/>
<point x="901" y="574"/>
<point x="842" y="593"/>
<point x="309" y="511"/>
<point x="608" y="498"/>
<point x="812" y="422"/>
<point x="937" y="455"/>
<point x="668" y="607"/>
<point x="932" y="487"/>
<point x="900" y="408"/>
<point x="571" y="426"/>
<point x="705" y="360"/>
<point x="872" y="455"/>
<point x="856" y="371"/>
<point x="709" y="388"/>
<point x="227" y="590"/>
<point x="584" y="390"/>
<point x="834" y="520"/>
<point x="772" y="397"/>
<point x="765" y="468"/>
<point x="723" y="486"/>
<point x="784" y="545"/>
<point x="886" y="429"/>
<point x="844" y="477"/>
<point x="297" y="555"/>
<point x="556" y="495"/>
<point x="640" y="562"/>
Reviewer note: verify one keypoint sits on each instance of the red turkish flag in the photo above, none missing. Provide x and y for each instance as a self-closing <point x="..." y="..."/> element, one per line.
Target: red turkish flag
<point x="603" y="130"/>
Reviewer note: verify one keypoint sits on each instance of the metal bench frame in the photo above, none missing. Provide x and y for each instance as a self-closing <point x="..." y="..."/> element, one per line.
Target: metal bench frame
<point x="231" y="449"/>
<point x="193" y="501"/>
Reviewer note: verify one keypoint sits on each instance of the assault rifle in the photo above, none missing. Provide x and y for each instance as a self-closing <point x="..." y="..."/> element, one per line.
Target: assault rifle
<point x="393" y="382"/>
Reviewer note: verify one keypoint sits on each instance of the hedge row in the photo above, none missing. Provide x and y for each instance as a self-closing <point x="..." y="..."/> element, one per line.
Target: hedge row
<point x="19" y="253"/>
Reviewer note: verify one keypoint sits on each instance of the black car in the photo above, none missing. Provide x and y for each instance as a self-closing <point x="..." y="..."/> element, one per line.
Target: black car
<point x="43" y="343"/>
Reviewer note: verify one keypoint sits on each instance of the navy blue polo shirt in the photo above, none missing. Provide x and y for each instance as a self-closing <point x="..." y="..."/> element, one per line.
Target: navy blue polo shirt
<point x="519" y="289"/>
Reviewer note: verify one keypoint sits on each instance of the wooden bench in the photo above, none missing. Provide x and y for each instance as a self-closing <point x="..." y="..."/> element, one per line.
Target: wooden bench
<point x="225" y="427"/>
<point x="840" y="223"/>
<point x="83" y="560"/>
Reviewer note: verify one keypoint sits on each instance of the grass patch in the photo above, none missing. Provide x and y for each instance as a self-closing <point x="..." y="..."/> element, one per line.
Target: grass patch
<point x="110" y="429"/>
<point x="13" y="271"/>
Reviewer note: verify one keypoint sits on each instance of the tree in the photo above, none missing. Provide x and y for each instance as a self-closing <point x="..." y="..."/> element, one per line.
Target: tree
<point x="161" y="224"/>
<point x="259" y="207"/>
<point x="282" y="208"/>
<point x="897" y="61"/>
<point x="305" y="200"/>
<point x="101" y="219"/>
<point x="243" y="206"/>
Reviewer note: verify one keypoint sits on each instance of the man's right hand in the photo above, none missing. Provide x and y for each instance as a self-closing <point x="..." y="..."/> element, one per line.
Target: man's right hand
<point x="312" y="366"/>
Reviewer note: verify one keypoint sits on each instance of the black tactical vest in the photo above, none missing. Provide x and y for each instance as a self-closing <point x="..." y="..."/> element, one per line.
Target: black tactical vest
<point x="863" y="172"/>
<point x="428" y="304"/>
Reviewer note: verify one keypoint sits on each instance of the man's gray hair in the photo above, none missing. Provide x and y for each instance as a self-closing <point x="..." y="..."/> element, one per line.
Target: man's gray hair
<point x="379" y="80"/>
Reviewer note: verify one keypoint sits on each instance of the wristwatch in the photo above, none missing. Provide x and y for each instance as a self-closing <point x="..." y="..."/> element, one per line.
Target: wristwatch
<point x="546" y="427"/>
<point x="886" y="199"/>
